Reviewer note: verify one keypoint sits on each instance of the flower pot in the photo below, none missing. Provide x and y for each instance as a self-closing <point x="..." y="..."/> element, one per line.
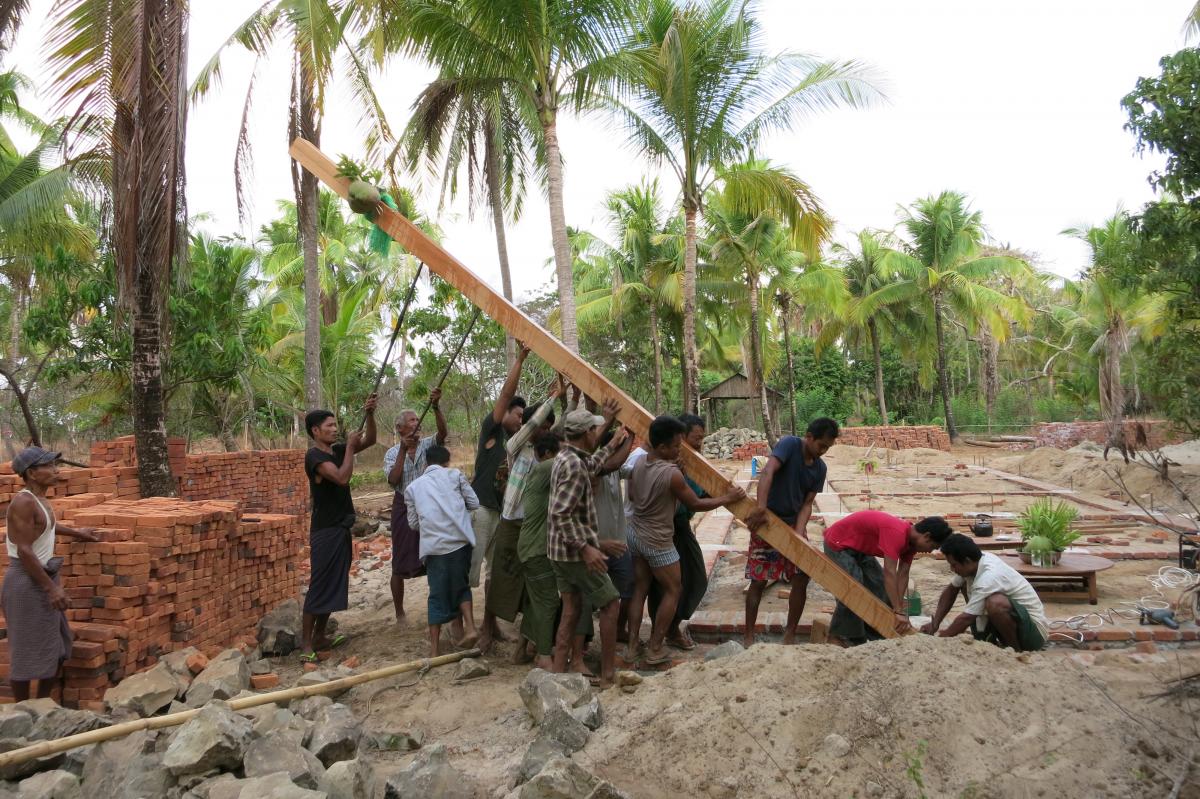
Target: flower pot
<point x="1027" y="557"/>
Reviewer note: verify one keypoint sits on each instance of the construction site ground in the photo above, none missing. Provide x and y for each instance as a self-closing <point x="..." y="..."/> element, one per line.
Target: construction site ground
<point x="956" y="717"/>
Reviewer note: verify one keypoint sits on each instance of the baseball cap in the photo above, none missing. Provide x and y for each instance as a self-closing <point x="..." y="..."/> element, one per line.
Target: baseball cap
<point x="581" y="420"/>
<point x="33" y="456"/>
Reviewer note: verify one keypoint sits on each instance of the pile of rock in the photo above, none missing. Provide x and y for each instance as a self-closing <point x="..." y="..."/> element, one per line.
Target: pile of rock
<point x="725" y="442"/>
<point x="309" y="750"/>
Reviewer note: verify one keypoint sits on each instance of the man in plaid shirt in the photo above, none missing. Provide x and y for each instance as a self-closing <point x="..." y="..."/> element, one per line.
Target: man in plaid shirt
<point x="572" y="542"/>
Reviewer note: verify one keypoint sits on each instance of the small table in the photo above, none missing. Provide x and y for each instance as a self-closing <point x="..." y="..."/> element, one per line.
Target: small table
<point x="1071" y="568"/>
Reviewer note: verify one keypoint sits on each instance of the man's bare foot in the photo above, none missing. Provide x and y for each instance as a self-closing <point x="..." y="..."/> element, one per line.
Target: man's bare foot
<point x="630" y="655"/>
<point x="522" y="653"/>
<point x="681" y="640"/>
<point x="748" y="640"/>
<point x="456" y="628"/>
<point x="655" y="657"/>
<point x="579" y="667"/>
<point x="789" y="637"/>
<point x="499" y="635"/>
<point x="835" y="641"/>
<point x="485" y="642"/>
<point x="467" y="641"/>
<point x="544" y="662"/>
<point x="402" y="621"/>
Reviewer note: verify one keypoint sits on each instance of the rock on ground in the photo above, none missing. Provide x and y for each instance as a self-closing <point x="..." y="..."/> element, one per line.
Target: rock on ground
<point x="279" y="751"/>
<point x="430" y="774"/>
<point x="272" y="786"/>
<point x="308" y="707"/>
<point x="216" y="737"/>
<point x="559" y="726"/>
<point x="349" y="779"/>
<point x="20" y="770"/>
<point x="542" y="690"/>
<point x="471" y="669"/>
<point x="114" y="766"/>
<point x="226" y="675"/>
<point x="50" y="785"/>
<point x="539" y="753"/>
<point x="562" y="778"/>
<point x="145" y="693"/>
<point x="15" y="723"/>
<point x="396" y="741"/>
<point x="61" y="722"/>
<point x="335" y="734"/>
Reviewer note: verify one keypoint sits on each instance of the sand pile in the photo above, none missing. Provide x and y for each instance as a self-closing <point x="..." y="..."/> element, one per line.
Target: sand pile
<point x="818" y="721"/>
<point x="1088" y="473"/>
<point x="850" y="454"/>
<point x="1187" y="453"/>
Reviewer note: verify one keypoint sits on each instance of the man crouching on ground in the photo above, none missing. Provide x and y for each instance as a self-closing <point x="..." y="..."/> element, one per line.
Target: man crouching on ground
<point x="439" y="509"/>
<point x="1002" y="607"/>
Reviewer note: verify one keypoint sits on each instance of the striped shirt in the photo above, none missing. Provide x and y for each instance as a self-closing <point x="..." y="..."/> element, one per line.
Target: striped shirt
<point x="522" y="459"/>
<point x="572" y="521"/>
<point x="414" y="462"/>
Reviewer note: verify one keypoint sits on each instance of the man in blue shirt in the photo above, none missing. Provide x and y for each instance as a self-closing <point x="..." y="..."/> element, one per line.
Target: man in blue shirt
<point x="787" y="487"/>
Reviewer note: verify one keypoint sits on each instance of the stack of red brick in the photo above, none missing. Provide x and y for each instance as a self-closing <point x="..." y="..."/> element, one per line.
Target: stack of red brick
<point x="168" y="574"/>
<point x="1065" y="435"/>
<point x="901" y="437"/>
<point x="747" y="451"/>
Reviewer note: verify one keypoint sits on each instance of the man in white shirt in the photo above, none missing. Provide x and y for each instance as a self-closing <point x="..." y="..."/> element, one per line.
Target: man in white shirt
<point x="439" y="508"/>
<point x="1002" y="606"/>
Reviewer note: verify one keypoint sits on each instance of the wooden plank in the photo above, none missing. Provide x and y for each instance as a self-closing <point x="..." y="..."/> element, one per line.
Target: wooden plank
<point x="825" y="572"/>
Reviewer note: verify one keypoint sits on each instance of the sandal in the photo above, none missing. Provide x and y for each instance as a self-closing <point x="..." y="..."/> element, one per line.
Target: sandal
<point x="311" y="657"/>
<point x="682" y="641"/>
<point x="650" y="659"/>
<point x="337" y="641"/>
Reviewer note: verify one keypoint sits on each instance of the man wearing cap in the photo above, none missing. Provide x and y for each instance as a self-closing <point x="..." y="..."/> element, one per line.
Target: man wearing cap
<point x="39" y="639"/>
<point x="572" y="539"/>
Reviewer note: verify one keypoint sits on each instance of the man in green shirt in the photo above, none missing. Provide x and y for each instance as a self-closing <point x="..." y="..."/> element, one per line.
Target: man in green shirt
<point x="542" y="605"/>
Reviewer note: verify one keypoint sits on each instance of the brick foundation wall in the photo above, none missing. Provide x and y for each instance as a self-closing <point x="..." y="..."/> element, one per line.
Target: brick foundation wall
<point x="928" y="436"/>
<point x="1065" y="435"/>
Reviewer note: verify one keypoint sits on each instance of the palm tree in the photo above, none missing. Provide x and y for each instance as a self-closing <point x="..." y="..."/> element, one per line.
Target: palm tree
<point x="461" y="121"/>
<point x="318" y="31"/>
<point x="863" y="269"/>
<point x="615" y="277"/>
<point x="547" y="55"/>
<point x="121" y="66"/>
<point x="1110" y="315"/>
<point x="942" y="276"/>
<point x="698" y="93"/>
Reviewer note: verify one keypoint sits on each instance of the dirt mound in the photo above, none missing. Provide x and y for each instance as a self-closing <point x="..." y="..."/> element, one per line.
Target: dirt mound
<point x="1091" y="474"/>
<point x="958" y="717"/>
<point x="1187" y="453"/>
<point x="848" y="453"/>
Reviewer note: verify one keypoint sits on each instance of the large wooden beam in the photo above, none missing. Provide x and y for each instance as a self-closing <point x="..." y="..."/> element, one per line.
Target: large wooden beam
<point x="779" y="535"/>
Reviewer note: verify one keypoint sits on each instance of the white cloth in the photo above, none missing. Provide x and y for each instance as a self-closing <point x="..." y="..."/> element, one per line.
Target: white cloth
<point x="414" y="462"/>
<point x="994" y="576"/>
<point x="43" y="545"/>
<point x="439" y="509"/>
<point x="626" y="472"/>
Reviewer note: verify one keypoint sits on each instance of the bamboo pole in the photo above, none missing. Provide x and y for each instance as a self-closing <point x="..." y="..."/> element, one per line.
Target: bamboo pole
<point x="45" y="748"/>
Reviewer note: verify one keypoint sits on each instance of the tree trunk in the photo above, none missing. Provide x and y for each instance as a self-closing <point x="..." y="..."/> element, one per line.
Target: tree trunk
<point x="943" y="377"/>
<point x="563" y="266"/>
<point x="991" y="371"/>
<point x="306" y="211"/>
<point x="873" y="329"/>
<point x="691" y="360"/>
<point x="148" y="161"/>
<point x="329" y="303"/>
<point x="758" y="379"/>
<point x="1112" y="393"/>
<point x="20" y="289"/>
<point x="496" y="201"/>
<point x="656" y="344"/>
<point x="35" y="436"/>
<point x="785" y="307"/>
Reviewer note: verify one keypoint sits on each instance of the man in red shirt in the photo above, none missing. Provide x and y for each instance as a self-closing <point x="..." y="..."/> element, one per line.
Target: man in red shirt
<point x="856" y="541"/>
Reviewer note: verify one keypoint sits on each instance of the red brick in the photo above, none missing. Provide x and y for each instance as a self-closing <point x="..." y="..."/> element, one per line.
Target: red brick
<point x="1113" y="634"/>
<point x="1146" y="647"/>
<point x="1167" y="635"/>
<point x="261" y="682"/>
<point x="197" y="662"/>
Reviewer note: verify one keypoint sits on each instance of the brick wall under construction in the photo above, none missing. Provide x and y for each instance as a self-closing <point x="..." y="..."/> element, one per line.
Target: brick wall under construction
<point x="899" y="437"/>
<point x="171" y="573"/>
<point x="1065" y="435"/>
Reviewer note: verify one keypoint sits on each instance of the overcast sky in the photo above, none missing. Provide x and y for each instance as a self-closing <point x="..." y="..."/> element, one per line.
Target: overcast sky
<point x="1017" y="104"/>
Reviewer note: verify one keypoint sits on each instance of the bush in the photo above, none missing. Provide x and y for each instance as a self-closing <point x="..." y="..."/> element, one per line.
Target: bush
<point x="817" y="402"/>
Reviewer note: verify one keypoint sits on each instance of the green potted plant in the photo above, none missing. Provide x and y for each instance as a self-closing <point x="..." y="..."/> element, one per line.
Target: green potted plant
<point x="1046" y="531"/>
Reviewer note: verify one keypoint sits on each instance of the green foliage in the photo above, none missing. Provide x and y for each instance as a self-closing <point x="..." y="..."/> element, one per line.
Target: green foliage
<point x="915" y="769"/>
<point x="1049" y="520"/>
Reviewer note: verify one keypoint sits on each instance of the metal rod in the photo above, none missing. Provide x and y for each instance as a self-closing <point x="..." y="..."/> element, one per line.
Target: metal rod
<point x="450" y="364"/>
<point x="387" y="356"/>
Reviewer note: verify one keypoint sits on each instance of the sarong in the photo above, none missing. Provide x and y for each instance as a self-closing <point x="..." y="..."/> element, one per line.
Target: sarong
<point x="39" y="639"/>
<point x="449" y="584"/>
<point x="330" y="555"/>
<point x="693" y="575"/>
<point x="507" y="580"/>
<point x="541" y="609"/>
<point x="406" y="542"/>
<point x="866" y="570"/>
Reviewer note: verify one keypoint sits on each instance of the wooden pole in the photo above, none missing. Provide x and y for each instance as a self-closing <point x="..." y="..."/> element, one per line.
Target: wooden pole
<point x="779" y="535"/>
<point x="44" y="748"/>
